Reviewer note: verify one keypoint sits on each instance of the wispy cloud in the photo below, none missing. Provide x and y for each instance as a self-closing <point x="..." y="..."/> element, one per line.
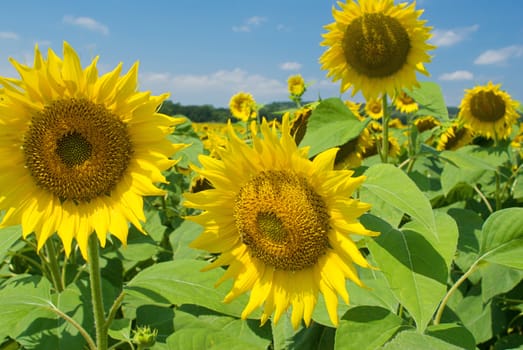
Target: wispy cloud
<point x="249" y="24"/>
<point x="9" y="35"/>
<point x="87" y="23"/>
<point x="499" y="56"/>
<point x="450" y="37"/>
<point x="457" y="75"/>
<point x="215" y="88"/>
<point x="290" y="66"/>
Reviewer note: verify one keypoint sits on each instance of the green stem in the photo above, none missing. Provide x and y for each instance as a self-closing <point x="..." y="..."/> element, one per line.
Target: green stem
<point x="114" y="309"/>
<point x="51" y="262"/>
<point x="81" y="330"/>
<point x="498" y="193"/>
<point x="451" y="291"/>
<point x="385" y="132"/>
<point x="95" y="279"/>
<point x="483" y="198"/>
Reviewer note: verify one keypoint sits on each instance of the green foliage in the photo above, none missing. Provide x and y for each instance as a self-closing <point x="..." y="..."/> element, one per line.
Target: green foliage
<point x="447" y="263"/>
<point x="331" y="124"/>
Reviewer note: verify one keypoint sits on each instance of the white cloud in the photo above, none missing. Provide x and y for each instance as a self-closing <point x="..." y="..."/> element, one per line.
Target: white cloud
<point x="87" y="23"/>
<point x="457" y="75"/>
<point x="215" y="88"/>
<point x="249" y="24"/>
<point x="9" y="35"/>
<point x="450" y="37"/>
<point x="255" y="20"/>
<point x="290" y="66"/>
<point x="499" y="55"/>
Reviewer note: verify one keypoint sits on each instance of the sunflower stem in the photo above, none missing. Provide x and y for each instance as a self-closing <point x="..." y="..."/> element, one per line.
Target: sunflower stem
<point x="451" y="291"/>
<point x="498" y="192"/>
<point x="51" y="262"/>
<point x="385" y="132"/>
<point x="95" y="279"/>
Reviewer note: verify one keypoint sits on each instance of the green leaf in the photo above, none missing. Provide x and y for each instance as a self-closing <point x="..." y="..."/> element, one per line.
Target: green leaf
<point x="184" y="133"/>
<point x="429" y="97"/>
<point x="220" y="331"/>
<point x="416" y="272"/>
<point x="182" y="236"/>
<point x="377" y="293"/>
<point x="182" y="282"/>
<point x="9" y="236"/>
<point x="27" y="315"/>
<point x="331" y="124"/>
<point x="394" y="188"/>
<point x="156" y="317"/>
<point x="469" y="227"/>
<point x="502" y="238"/>
<point x="469" y="164"/>
<point x="517" y="188"/>
<point x="454" y="334"/>
<point x="120" y="329"/>
<point x="415" y="340"/>
<point x="367" y="328"/>
<point x="497" y="279"/>
<point x="447" y="241"/>
<point x="482" y="320"/>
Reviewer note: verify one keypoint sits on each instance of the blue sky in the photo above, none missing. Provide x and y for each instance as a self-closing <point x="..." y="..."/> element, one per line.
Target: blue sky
<point x="202" y="52"/>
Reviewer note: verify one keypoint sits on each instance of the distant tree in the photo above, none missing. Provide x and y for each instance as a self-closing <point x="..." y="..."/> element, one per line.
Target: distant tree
<point x="196" y="113"/>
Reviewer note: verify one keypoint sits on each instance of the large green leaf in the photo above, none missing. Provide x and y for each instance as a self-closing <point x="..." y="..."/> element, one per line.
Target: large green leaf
<point x="502" y="238"/>
<point x="415" y="340"/>
<point x="394" y="188"/>
<point x="416" y="272"/>
<point x="497" y="279"/>
<point x="483" y="320"/>
<point x="200" y="328"/>
<point x="331" y="124"/>
<point x="182" y="236"/>
<point x="8" y="236"/>
<point x="182" y="282"/>
<point x="469" y="226"/>
<point x="27" y="314"/>
<point x="367" y="328"/>
<point x="447" y="240"/>
<point x="454" y="334"/>
<point x="429" y="97"/>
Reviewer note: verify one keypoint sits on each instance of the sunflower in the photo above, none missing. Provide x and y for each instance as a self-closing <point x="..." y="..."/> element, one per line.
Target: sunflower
<point x="296" y="85"/>
<point x="299" y="123"/>
<point x="350" y="153"/>
<point x="374" y="108"/>
<point x="454" y="137"/>
<point x="80" y="151"/>
<point x="355" y="108"/>
<point x="488" y="111"/>
<point x="404" y="103"/>
<point x="282" y="224"/>
<point x="376" y="47"/>
<point x="426" y="123"/>
<point x="243" y="106"/>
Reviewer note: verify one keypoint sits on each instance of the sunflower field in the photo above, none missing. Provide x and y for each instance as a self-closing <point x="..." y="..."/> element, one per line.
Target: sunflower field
<point x="388" y="224"/>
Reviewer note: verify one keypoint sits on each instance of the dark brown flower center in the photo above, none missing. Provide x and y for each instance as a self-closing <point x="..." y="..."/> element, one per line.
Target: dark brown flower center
<point x="282" y="220"/>
<point x="376" y="45"/>
<point x="77" y="150"/>
<point x="487" y="106"/>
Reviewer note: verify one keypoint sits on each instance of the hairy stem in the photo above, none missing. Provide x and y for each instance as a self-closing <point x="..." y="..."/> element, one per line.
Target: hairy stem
<point x="95" y="279"/>
<point x="451" y="291"/>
